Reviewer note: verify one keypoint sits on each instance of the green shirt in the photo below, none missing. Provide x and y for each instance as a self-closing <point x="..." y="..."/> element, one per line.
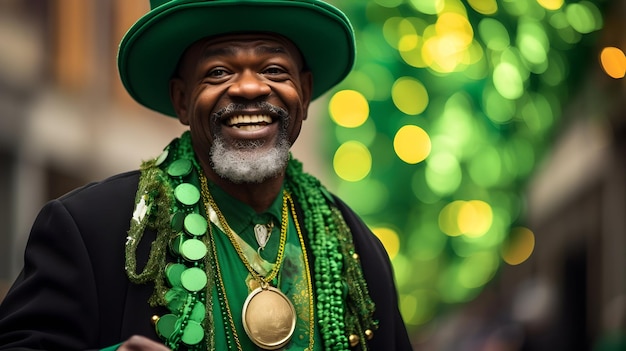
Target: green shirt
<point x="292" y="279"/>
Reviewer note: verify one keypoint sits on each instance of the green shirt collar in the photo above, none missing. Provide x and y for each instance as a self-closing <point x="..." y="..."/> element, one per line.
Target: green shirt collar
<point x="240" y="215"/>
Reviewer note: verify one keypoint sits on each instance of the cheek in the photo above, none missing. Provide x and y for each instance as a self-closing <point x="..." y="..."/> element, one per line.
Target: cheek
<point x="204" y="104"/>
<point x="298" y="112"/>
<point x="201" y="139"/>
<point x="295" y="126"/>
<point x="202" y="130"/>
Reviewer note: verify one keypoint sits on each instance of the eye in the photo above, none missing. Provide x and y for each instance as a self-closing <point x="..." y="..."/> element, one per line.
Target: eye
<point x="218" y="72"/>
<point x="276" y="72"/>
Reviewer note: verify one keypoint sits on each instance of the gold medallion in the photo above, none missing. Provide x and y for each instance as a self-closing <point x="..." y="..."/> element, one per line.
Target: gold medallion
<point x="269" y="318"/>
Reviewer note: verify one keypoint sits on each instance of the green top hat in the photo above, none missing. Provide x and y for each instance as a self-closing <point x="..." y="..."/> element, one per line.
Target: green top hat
<point x="150" y="50"/>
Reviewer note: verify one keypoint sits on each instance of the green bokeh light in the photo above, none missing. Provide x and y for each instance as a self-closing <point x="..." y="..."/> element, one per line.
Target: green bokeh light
<point x="508" y="81"/>
<point x="429" y="7"/>
<point x="533" y="44"/>
<point x="443" y="173"/>
<point x="584" y="17"/>
<point x="366" y="196"/>
<point x="476" y="270"/>
<point x="485" y="167"/>
<point x="409" y="95"/>
<point x="493" y="34"/>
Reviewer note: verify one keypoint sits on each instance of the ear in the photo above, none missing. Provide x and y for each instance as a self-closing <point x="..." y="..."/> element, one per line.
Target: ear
<point x="179" y="99"/>
<point x="306" y="82"/>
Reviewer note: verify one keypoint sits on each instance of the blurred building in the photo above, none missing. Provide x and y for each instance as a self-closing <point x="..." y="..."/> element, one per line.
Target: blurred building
<point x="65" y="118"/>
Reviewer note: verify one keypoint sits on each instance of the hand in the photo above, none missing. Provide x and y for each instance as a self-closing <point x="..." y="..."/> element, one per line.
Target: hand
<point x="141" y="343"/>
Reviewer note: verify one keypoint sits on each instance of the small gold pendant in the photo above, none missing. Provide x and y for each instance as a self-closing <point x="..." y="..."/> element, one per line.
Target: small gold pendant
<point x="269" y="318"/>
<point x="262" y="234"/>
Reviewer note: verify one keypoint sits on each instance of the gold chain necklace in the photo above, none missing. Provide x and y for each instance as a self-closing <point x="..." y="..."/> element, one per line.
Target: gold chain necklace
<point x="268" y="316"/>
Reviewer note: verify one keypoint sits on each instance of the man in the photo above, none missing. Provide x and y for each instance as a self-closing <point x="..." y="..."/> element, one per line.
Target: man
<point x="231" y="246"/>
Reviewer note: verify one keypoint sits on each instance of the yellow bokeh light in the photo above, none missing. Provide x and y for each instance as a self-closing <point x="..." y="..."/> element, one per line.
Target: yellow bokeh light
<point x="613" y="62"/>
<point x="470" y="218"/>
<point x="551" y="4"/>
<point x="408" y="42"/>
<point x="445" y="48"/>
<point x="390" y="240"/>
<point x="349" y="108"/>
<point x="448" y="218"/>
<point x="519" y="246"/>
<point x="475" y="218"/>
<point x="443" y="53"/>
<point x="485" y="7"/>
<point x="412" y="144"/>
<point x="413" y="56"/>
<point x="418" y="307"/>
<point x="409" y="95"/>
<point x="456" y="24"/>
<point x="352" y="161"/>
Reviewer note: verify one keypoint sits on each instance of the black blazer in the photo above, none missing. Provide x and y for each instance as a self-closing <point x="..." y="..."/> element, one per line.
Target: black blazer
<point x="73" y="293"/>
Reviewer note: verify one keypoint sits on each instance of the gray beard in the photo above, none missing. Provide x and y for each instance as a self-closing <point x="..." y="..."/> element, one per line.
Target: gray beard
<point x="245" y="163"/>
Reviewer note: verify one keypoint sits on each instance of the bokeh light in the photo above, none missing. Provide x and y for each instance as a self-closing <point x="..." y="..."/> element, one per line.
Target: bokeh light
<point x="519" y="246"/>
<point x="484" y="7"/>
<point x="551" y="4"/>
<point x="584" y="17"/>
<point x="428" y="7"/>
<point x="613" y="62"/>
<point x="443" y="173"/>
<point x="472" y="218"/>
<point x="475" y="218"/>
<point x="409" y="95"/>
<point x="348" y="108"/>
<point x="352" y="161"/>
<point x="390" y="240"/>
<point x="412" y="144"/>
<point x="450" y="107"/>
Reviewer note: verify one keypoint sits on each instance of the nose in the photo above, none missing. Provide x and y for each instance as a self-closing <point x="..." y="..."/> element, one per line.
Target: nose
<point x="249" y="85"/>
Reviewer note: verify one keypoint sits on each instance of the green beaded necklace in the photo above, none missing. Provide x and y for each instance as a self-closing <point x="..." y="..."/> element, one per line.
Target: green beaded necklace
<point x="166" y="198"/>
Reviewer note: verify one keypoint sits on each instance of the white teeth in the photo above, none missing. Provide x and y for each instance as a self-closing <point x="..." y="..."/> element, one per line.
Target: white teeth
<point x="248" y="127"/>
<point x="248" y="119"/>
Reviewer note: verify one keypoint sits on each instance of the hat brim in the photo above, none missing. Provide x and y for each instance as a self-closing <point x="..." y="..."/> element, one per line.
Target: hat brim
<point x="151" y="49"/>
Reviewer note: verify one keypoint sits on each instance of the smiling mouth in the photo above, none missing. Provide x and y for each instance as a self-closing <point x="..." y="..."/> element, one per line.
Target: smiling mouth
<point x="249" y="122"/>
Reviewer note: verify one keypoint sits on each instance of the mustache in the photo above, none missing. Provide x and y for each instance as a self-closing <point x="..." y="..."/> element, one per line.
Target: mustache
<point x="262" y="106"/>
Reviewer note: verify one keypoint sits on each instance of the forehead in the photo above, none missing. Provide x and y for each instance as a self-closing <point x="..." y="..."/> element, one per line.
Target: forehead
<point x="230" y="44"/>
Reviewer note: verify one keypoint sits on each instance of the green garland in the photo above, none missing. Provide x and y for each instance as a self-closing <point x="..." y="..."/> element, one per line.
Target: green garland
<point x="337" y="271"/>
<point x="344" y="308"/>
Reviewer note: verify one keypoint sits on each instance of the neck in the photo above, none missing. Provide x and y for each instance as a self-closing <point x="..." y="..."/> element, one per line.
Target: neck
<point x="259" y="196"/>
